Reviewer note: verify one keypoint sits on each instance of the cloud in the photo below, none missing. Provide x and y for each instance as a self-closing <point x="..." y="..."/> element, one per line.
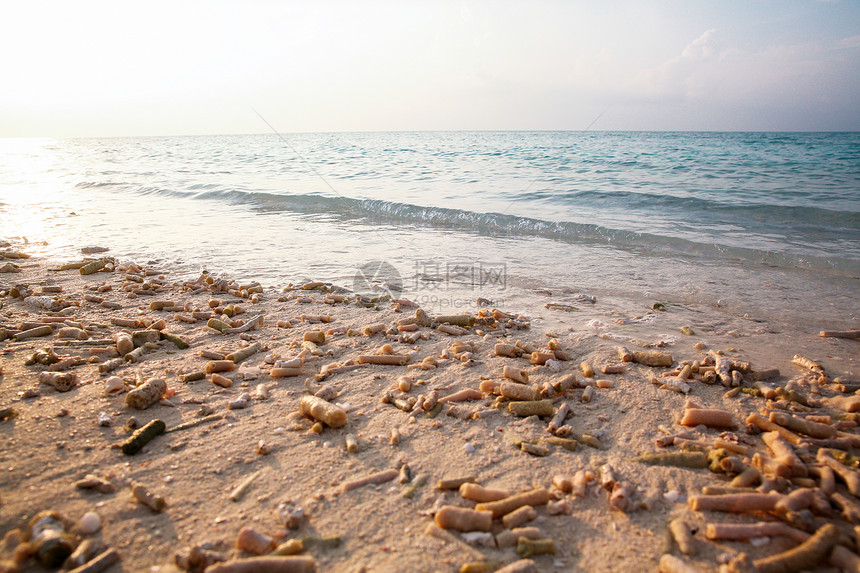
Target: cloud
<point x="808" y="85"/>
<point x="849" y="43"/>
<point x="683" y="75"/>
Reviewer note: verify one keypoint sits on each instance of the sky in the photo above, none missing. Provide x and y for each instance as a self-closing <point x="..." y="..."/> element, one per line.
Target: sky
<point x="94" y="68"/>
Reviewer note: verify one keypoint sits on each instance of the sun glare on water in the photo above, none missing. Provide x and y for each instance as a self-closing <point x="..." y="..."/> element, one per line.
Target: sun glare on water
<point x="30" y="190"/>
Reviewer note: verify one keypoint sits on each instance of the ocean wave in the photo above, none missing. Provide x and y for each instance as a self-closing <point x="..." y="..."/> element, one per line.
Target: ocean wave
<point x="377" y="211"/>
<point x="97" y="184"/>
<point x="734" y="207"/>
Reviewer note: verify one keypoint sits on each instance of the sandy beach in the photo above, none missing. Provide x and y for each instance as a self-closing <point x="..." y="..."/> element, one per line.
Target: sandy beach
<point x="402" y="408"/>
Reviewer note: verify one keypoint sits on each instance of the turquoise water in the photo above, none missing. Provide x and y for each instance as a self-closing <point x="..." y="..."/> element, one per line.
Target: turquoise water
<point x="757" y="219"/>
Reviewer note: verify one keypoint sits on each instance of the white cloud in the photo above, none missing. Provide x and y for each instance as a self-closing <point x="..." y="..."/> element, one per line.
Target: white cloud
<point x="681" y="76"/>
<point x="809" y="85"/>
<point x="849" y="43"/>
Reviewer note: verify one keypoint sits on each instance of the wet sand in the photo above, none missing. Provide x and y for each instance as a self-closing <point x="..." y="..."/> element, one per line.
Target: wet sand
<point x="251" y="425"/>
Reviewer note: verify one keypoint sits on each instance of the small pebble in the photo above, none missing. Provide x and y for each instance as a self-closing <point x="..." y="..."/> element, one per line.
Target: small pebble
<point x="479" y="538"/>
<point x="90" y="523"/>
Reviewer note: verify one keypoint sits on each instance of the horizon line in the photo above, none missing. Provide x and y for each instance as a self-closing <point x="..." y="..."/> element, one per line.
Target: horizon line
<point x="370" y="131"/>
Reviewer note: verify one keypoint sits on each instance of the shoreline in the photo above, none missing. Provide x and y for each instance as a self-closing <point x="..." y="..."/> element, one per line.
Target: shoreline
<point x="54" y="438"/>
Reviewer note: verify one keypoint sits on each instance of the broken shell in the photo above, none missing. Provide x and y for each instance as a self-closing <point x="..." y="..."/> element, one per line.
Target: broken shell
<point x="114" y="385"/>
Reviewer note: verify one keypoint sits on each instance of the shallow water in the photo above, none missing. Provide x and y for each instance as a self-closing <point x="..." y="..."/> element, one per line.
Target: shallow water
<point x="752" y="222"/>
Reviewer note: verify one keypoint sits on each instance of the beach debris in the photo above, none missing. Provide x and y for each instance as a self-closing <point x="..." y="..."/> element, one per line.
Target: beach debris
<point x="154" y="502"/>
<point x="291" y="514"/>
<point x="146" y="394"/>
<point x="523" y="409"/>
<point x="683" y="535"/>
<point x="61" y="381"/>
<point x="481" y="494"/>
<point x="174" y="339"/>
<point x="94" y="266"/>
<point x="517" y="391"/>
<point x="332" y="415"/>
<point x="50" y="542"/>
<point x="515" y="374"/>
<point x="89" y="523"/>
<point x="252" y="541"/>
<point x="101" y="562"/>
<point x="351" y="443"/>
<point x="805" y="556"/>
<point x="519" y="516"/>
<point x="37" y="331"/>
<point x="289" y="547"/>
<point x="521" y="566"/>
<point x="454" y="483"/>
<point x="7" y="413"/>
<point x="652" y="358"/>
<point x="462" y="320"/>
<point x="315" y="336"/>
<point x="586" y="368"/>
<point x="710" y="417"/>
<point x="509" y="537"/>
<point x="677" y="459"/>
<point x="239" y="355"/>
<point x="587" y="394"/>
<point x="462" y="396"/>
<point x="91" y="481"/>
<point x="83" y="553"/>
<point x="498" y="508"/>
<point x="619" y="496"/>
<point x="384" y="359"/>
<point x="115" y="385"/>
<point x="143" y="436"/>
<point x="373" y="479"/>
<point x="198" y="558"/>
<point x="793" y="458"/>
<point x="463" y="519"/>
<point x="560" y="306"/>
<point x="530" y="547"/>
<point x="239" y="491"/>
<point x="854" y="334"/>
<point x="803" y="426"/>
<point x="206" y="417"/>
<point x="221" y="381"/>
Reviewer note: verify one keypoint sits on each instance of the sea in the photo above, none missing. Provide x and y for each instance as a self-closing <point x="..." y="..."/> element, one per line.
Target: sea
<point x="761" y="223"/>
